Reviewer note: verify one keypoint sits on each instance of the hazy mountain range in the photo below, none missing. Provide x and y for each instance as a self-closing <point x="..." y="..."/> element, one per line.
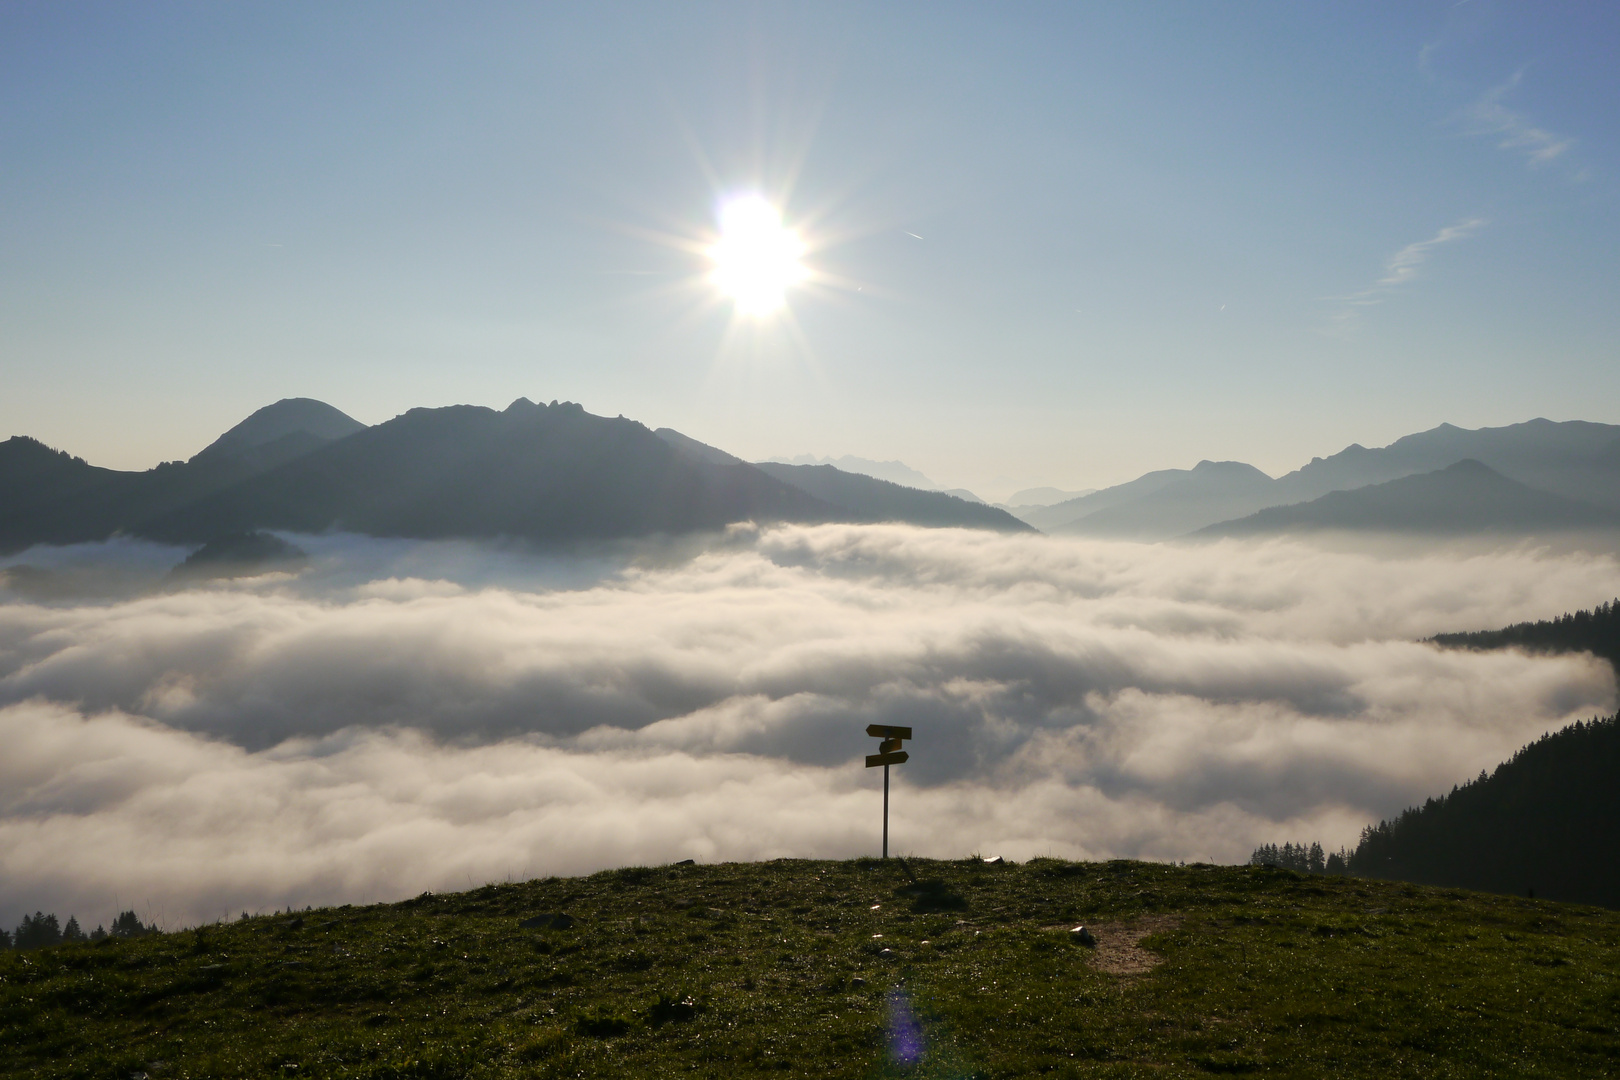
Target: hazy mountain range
<point x="898" y="472"/>
<point x="1042" y="496"/>
<point x="1528" y="477"/>
<point x="537" y="472"/>
<point x="554" y="473"/>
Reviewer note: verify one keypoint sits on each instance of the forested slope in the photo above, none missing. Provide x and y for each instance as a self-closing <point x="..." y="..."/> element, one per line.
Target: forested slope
<point x="1546" y="821"/>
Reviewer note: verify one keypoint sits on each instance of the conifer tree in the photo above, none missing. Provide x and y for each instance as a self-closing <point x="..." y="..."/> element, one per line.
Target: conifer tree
<point x="38" y="931"/>
<point x="127" y="925"/>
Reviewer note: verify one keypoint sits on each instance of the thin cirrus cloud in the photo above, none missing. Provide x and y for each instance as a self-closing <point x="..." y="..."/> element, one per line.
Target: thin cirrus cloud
<point x="1514" y="130"/>
<point x="402" y="717"/>
<point x="1404" y="266"/>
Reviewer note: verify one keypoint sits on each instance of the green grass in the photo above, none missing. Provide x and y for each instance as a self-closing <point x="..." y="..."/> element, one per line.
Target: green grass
<point x="773" y="969"/>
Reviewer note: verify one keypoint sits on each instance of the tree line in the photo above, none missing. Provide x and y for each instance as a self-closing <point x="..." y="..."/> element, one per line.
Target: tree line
<point x="1596" y="631"/>
<point x="40" y="931"/>
<point x="1305" y="859"/>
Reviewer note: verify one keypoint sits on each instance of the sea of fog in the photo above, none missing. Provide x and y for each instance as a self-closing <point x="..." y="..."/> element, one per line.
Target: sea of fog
<point x="403" y="716"/>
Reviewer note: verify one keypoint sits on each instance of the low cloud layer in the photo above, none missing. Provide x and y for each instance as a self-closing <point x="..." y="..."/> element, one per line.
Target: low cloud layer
<point x="407" y="716"/>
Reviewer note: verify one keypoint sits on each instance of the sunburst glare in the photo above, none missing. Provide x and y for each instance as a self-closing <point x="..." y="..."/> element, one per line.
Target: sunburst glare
<point x="756" y="259"/>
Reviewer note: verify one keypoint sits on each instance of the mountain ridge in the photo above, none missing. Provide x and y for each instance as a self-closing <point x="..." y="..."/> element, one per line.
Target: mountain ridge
<point x="544" y="473"/>
<point x="1575" y="459"/>
<point x="1468" y="496"/>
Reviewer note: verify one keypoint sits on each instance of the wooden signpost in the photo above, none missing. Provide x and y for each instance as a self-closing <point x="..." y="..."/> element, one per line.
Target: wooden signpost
<point x="889" y="753"/>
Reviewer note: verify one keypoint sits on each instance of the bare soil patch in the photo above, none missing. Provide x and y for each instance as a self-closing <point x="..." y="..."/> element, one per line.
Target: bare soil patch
<point x="1118" y="951"/>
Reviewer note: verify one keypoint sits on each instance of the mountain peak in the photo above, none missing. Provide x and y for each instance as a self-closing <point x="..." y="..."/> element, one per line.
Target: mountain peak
<point x="289" y="416"/>
<point x="1234" y="468"/>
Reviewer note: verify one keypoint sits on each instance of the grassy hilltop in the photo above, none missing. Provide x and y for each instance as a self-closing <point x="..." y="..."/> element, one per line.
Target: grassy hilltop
<point x="778" y="969"/>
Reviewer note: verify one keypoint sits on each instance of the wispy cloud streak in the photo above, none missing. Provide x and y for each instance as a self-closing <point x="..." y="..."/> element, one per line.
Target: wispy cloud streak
<point x="1404" y="267"/>
<point x="1489" y="116"/>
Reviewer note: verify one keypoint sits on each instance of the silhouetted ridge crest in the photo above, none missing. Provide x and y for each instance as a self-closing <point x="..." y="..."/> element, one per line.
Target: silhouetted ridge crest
<point x="866" y="498"/>
<point x="1574" y="460"/>
<point x="1466" y="496"/>
<point x="50" y="497"/>
<point x="289" y="423"/>
<point x="538" y="472"/>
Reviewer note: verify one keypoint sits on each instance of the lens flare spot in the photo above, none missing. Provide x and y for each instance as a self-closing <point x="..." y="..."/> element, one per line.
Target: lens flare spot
<point x="905" y="1035"/>
<point x="756" y="259"/>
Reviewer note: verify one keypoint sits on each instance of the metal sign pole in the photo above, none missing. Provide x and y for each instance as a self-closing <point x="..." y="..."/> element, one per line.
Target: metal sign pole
<point x="885" y="811"/>
<point x="889" y="753"/>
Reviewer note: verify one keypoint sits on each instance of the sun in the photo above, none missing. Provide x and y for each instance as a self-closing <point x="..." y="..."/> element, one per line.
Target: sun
<point x="756" y="259"/>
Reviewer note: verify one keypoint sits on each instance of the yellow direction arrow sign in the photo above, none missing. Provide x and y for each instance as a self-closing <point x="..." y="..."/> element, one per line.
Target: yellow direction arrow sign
<point x="889" y="753"/>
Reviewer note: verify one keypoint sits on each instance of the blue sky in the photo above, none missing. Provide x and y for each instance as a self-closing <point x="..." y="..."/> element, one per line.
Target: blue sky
<point x="1148" y="233"/>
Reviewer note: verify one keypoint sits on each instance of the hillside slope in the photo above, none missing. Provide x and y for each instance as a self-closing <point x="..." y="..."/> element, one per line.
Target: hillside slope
<point x="866" y="498"/>
<point x="1547" y="820"/>
<point x="845" y="969"/>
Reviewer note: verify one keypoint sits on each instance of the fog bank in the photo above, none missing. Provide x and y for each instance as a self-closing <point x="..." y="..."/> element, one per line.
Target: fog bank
<point x="404" y="716"/>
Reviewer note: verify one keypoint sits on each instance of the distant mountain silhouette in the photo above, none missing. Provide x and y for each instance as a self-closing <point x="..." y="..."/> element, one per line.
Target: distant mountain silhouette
<point x="895" y="472"/>
<point x="962" y="493"/>
<point x="278" y="433"/>
<point x="47" y="496"/>
<point x="1211" y="491"/>
<point x="1466" y="497"/>
<point x="555" y="472"/>
<point x="866" y="498"/>
<point x="1055" y="517"/>
<point x="546" y="473"/>
<point x="1559" y="457"/>
<point x="1575" y="459"/>
<point x="1032" y="498"/>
